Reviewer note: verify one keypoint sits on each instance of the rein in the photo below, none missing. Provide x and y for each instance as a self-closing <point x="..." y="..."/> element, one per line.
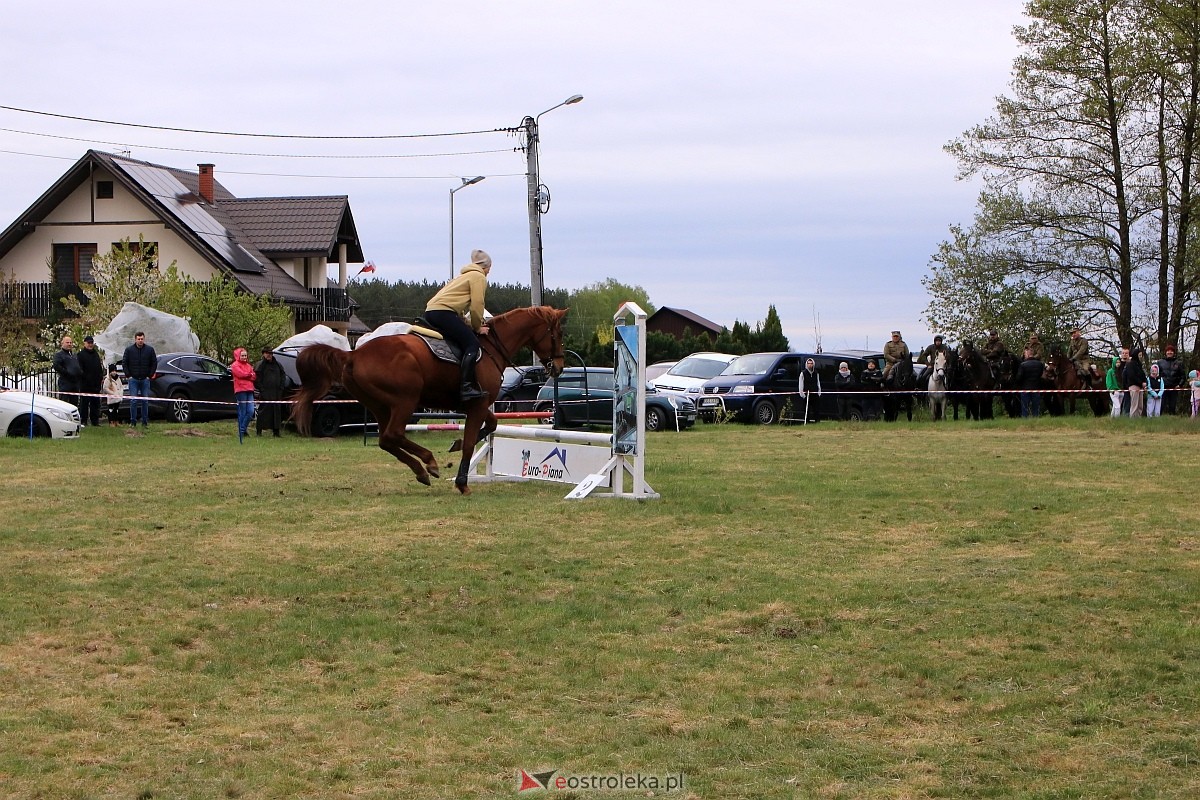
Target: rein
<point x="492" y="343"/>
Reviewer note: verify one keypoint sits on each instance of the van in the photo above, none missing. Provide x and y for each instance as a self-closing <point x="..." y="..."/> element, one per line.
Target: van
<point x="764" y="387"/>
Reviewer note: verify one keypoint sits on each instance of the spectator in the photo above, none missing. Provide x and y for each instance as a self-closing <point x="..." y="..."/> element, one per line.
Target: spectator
<point x="1154" y="392"/>
<point x="1134" y="380"/>
<point x="93" y="375"/>
<point x="114" y="392"/>
<point x="1194" y="382"/>
<point x="871" y="381"/>
<point x="140" y="363"/>
<point x="810" y="383"/>
<point x="1029" y="381"/>
<point x="1174" y="380"/>
<point x="243" y="389"/>
<point x="270" y="384"/>
<point x="70" y="376"/>
<point x="845" y="384"/>
<point x="1112" y="381"/>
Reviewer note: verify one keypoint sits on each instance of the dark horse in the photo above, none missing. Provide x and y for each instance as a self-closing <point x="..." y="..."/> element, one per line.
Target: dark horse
<point x="1061" y="372"/>
<point x="901" y="382"/>
<point x="393" y="376"/>
<point x="972" y="374"/>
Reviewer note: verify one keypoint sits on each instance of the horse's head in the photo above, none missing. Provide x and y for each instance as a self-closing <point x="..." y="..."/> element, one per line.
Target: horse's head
<point x="548" y="340"/>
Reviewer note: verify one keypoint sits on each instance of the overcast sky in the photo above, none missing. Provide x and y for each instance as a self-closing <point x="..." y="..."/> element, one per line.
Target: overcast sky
<point x="726" y="157"/>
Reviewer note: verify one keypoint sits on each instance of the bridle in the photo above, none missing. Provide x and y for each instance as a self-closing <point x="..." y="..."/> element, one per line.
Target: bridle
<point x="493" y="348"/>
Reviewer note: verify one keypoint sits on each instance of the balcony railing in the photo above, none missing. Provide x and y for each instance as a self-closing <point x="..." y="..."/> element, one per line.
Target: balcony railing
<point x="37" y="300"/>
<point x="333" y="305"/>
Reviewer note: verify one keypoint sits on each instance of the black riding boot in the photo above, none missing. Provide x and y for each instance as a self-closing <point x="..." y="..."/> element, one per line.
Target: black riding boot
<point x="470" y="390"/>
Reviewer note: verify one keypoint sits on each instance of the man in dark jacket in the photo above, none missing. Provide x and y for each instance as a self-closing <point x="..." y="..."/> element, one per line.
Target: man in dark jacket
<point x="872" y="382"/>
<point x="1133" y="379"/>
<point x="140" y="362"/>
<point x="70" y="377"/>
<point x="269" y="385"/>
<point x="92" y="369"/>
<point x="1029" y="381"/>
<point x="1173" y="375"/>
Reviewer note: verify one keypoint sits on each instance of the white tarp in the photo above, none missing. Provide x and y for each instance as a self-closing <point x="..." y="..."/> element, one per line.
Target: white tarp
<point x="386" y="329"/>
<point x="318" y="334"/>
<point x="166" y="333"/>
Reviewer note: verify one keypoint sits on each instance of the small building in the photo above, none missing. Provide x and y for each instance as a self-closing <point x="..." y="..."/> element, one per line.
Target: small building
<point x="677" y="322"/>
<point x="277" y="246"/>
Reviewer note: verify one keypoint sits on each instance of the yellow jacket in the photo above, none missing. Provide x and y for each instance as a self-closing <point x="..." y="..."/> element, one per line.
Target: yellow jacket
<point x="463" y="295"/>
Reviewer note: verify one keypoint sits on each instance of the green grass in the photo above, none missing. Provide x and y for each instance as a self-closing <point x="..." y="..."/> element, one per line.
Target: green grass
<point x="1003" y="609"/>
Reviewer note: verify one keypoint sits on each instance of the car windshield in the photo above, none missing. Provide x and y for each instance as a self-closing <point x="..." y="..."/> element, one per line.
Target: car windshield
<point x="697" y="367"/>
<point x="753" y="364"/>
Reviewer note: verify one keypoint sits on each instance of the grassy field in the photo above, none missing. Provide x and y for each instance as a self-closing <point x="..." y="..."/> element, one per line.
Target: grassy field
<point x="836" y="611"/>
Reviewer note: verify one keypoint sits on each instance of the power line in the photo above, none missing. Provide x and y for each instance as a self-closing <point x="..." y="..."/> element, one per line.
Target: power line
<point x="253" y="155"/>
<point x="254" y="135"/>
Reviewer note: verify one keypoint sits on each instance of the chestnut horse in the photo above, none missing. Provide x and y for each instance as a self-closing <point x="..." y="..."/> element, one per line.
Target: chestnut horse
<point x="393" y="376"/>
<point x="1061" y="372"/>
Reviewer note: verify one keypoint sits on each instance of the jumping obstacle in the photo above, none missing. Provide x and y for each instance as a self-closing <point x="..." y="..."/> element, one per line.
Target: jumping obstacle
<point x="598" y="464"/>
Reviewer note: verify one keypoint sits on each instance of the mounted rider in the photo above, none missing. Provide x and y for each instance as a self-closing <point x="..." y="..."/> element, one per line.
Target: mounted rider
<point x="893" y="352"/>
<point x="1077" y="352"/>
<point x="1035" y="346"/>
<point x="463" y="296"/>
<point x="929" y="354"/>
<point x="995" y="353"/>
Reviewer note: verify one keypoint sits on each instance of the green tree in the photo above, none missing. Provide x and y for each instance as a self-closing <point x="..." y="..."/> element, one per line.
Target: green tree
<point x="224" y="317"/>
<point x="1060" y="204"/>
<point x="16" y="351"/>
<point x="768" y="335"/>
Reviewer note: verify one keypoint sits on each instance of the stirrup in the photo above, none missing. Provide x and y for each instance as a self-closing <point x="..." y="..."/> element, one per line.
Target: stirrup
<point x="469" y="391"/>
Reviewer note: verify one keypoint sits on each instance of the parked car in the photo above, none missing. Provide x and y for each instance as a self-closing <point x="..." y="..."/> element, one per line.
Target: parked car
<point x="758" y="387"/>
<point x="689" y="374"/>
<point x="327" y="418"/>
<point x="191" y="385"/>
<point x="519" y="388"/>
<point x="658" y="368"/>
<point x="585" y="397"/>
<point x="52" y="417"/>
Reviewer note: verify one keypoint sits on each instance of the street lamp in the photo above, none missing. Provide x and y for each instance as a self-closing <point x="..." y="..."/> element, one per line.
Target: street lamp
<point x="465" y="183"/>
<point x="539" y="199"/>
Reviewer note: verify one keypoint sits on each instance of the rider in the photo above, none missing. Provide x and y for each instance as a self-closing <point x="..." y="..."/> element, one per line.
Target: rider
<point x="929" y="354"/>
<point x="1077" y="352"/>
<point x="1034" y="345"/>
<point x="463" y="295"/>
<point x="893" y="351"/>
<point x="994" y="353"/>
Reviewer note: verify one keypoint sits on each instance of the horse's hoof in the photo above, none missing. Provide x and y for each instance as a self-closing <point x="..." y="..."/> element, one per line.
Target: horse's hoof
<point x="454" y="448"/>
<point x="464" y="489"/>
<point x="433" y="470"/>
<point x="424" y="479"/>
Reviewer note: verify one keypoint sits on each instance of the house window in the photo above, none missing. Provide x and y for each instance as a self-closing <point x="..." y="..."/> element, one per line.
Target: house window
<point x="148" y="251"/>
<point x="104" y="190"/>
<point x="73" y="263"/>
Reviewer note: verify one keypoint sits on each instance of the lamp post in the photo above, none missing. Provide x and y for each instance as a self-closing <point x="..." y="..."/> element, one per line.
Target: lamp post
<point x="539" y="199"/>
<point x="465" y="183"/>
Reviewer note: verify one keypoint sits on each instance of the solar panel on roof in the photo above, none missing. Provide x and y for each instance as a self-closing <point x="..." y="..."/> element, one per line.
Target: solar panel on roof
<point x="179" y="201"/>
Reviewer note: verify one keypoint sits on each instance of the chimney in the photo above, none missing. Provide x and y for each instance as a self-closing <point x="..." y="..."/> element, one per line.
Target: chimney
<point x="206" y="183"/>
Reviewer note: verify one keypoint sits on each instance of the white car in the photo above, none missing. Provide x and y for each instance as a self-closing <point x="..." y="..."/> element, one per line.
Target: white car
<point x="51" y="417"/>
<point x="685" y="378"/>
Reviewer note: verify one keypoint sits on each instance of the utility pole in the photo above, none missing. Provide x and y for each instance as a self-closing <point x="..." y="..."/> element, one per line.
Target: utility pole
<point x="538" y="200"/>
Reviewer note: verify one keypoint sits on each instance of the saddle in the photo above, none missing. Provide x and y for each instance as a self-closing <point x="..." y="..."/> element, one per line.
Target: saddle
<point x="439" y="346"/>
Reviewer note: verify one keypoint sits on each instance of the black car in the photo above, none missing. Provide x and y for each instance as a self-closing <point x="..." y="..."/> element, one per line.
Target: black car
<point x="762" y="387"/>
<point x="519" y="388"/>
<point x="327" y="418"/>
<point x="585" y="397"/>
<point x="186" y="386"/>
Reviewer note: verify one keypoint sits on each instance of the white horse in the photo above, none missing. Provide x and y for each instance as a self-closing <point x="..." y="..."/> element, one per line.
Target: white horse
<point x="939" y="384"/>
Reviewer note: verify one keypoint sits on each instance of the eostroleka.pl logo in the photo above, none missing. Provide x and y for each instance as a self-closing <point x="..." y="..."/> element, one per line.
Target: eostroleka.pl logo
<point x="555" y="781"/>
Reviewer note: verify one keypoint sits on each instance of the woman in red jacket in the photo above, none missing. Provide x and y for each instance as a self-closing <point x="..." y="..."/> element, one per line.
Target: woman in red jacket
<point x="243" y="389"/>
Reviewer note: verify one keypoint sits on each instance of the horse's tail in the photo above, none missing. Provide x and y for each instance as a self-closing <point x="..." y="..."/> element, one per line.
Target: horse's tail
<point x="320" y="368"/>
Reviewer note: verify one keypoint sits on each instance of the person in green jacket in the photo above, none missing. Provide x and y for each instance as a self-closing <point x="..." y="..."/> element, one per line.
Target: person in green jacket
<point x="1112" y="381"/>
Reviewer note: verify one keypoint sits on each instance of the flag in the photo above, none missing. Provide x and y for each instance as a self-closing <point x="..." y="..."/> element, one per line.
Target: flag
<point x="368" y="267"/>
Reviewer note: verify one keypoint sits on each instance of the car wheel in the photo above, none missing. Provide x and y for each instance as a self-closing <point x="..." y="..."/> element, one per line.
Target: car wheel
<point x="19" y="427"/>
<point x="181" y="407"/>
<point x="326" y="423"/>
<point x="765" y="413"/>
<point x="656" y="418"/>
<point x="856" y="414"/>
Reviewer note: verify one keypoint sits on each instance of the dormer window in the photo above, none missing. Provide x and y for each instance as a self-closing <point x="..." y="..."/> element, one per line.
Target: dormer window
<point x="104" y="190"/>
